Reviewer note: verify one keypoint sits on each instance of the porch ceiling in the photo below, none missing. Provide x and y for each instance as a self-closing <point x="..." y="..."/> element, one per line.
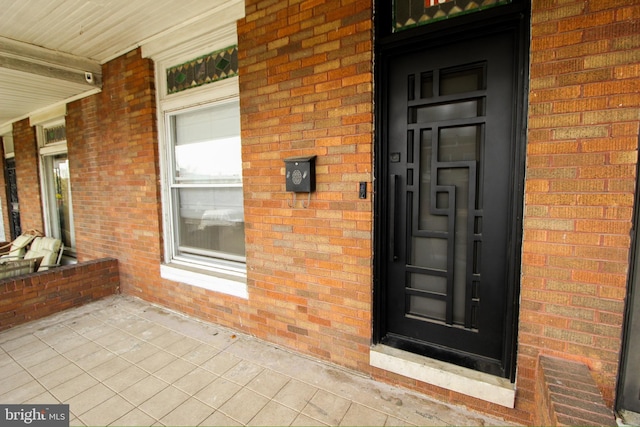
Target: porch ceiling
<point x="46" y="47"/>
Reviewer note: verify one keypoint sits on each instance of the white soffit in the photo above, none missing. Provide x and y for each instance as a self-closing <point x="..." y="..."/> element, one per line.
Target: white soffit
<point x="59" y="40"/>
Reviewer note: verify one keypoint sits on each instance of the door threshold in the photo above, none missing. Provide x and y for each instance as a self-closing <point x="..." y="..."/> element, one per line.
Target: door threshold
<point x="628" y="418"/>
<point x="451" y="377"/>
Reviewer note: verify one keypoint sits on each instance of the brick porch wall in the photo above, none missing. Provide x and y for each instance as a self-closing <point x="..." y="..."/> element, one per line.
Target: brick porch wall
<point x="27" y="176"/>
<point x="37" y="295"/>
<point x="584" y="116"/>
<point x="113" y="161"/>
<point x="306" y="89"/>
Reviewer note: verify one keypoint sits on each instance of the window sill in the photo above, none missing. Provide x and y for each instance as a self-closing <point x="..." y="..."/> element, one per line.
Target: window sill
<point x="234" y="285"/>
<point x="451" y="377"/>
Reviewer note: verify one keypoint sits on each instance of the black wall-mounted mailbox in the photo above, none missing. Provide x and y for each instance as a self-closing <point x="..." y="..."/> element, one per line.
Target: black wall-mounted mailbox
<point x="300" y="174"/>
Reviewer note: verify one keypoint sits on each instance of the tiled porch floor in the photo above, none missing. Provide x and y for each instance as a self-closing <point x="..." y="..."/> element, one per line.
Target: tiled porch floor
<point x="122" y="361"/>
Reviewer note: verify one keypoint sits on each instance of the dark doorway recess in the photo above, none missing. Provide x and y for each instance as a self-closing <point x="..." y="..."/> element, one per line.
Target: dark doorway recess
<point x="628" y="396"/>
<point x="449" y="185"/>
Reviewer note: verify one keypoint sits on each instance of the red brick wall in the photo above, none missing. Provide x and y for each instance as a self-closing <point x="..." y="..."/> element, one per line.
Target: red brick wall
<point x="38" y="295"/>
<point x="113" y="159"/>
<point x="306" y="89"/>
<point x="569" y="396"/>
<point x="309" y="270"/>
<point x="581" y="161"/>
<point x="27" y="176"/>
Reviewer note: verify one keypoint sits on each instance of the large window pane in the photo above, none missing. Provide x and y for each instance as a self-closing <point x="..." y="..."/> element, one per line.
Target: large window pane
<point x="211" y="220"/>
<point x="58" y="193"/>
<point x="60" y="171"/>
<point x="207" y="145"/>
<point x="207" y="198"/>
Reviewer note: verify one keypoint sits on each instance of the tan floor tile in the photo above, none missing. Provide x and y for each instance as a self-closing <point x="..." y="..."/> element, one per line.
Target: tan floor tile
<point x="7" y="364"/>
<point x="252" y="349"/>
<point x="111" y="367"/>
<point x="166" y="339"/>
<point x="99" y="330"/>
<point x="207" y="362"/>
<point x="16" y="338"/>
<point x="144" y="390"/>
<point x="110" y="338"/>
<point x="190" y="413"/>
<point x="123" y="320"/>
<point x="67" y="340"/>
<point x="85" y="324"/>
<point x="75" y="421"/>
<point x="135" y="326"/>
<point x="243" y="372"/>
<point x="268" y="383"/>
<point x="195" y="381"/>
<point x="200" y="354"/>
<point x="395" y="422"/>
<point x="156" y="361"/>
<point x="326" y="407"/>
<point x="221" y="363"/>
<point x="182" y="347"/>
<point x="303" y="420"/>
<point x="134" y="418"/>
<point x="32" y="347"/>
<point x="274" y="414"/>
<point x="94" y="359"/>
<point x="15" y="380"/>
<point x="218" y="392"/>
<point x="22" y="393"/>
<point x="295" y="394"/>
<point x="210" y="334"/>
<point x="60" y="375"/>
<point x="43" y="399"/>
<point x="37" y="357"/>
<point x="89" y="399"/>
<point x="175" y="370"/>
<point x="125" y="378"/>
<point x="140" y="351"/>
<point x="244" y="405"/>
<point x="73" y="387"/>
<point x="106" y="412"/>
<point x="125" y="345"/>
<point x="152" y="332"/>
<point x="54" y="364"/>
<point x="164" y="402"/>
<point x="359" y="415"/>
<point x="219" y="419"/>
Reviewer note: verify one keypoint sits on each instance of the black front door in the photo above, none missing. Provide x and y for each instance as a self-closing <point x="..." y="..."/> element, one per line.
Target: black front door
<point x="450" y="185"/>
<point x="628" y="397"/>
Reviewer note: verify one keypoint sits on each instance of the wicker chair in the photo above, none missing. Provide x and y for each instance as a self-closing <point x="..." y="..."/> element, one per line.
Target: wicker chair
<point x="30" y="252"/>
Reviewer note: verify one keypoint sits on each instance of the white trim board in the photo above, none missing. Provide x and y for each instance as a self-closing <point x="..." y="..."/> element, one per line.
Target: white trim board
<point x="451" y="377"/>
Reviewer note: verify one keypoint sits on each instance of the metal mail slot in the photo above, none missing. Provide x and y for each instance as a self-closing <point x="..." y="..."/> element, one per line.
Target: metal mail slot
<point x="300" y="174"/>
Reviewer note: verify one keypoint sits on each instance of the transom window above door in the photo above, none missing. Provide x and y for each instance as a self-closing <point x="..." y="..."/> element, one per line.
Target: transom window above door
<point x="412" y="13"/>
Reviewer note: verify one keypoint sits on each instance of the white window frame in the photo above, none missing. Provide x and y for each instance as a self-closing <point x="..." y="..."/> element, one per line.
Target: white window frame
<point x="6" y="133"/>
<point x="225" y="262"/>
<point x="46" y="150"/>
<point x="222" y="276"/>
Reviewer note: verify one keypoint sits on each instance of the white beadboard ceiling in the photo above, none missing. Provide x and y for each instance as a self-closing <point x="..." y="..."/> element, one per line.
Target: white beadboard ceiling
<point x="46" y="46"/>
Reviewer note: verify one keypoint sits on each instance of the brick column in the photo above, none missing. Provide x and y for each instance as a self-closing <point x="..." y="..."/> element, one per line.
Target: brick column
<point x="27" y="175"/>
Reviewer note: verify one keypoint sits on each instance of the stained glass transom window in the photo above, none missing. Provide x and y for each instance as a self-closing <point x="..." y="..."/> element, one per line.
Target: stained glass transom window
<point x="411" y="13"/>
<point x="215" y="66"/>
<point x="55" y="134"/>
